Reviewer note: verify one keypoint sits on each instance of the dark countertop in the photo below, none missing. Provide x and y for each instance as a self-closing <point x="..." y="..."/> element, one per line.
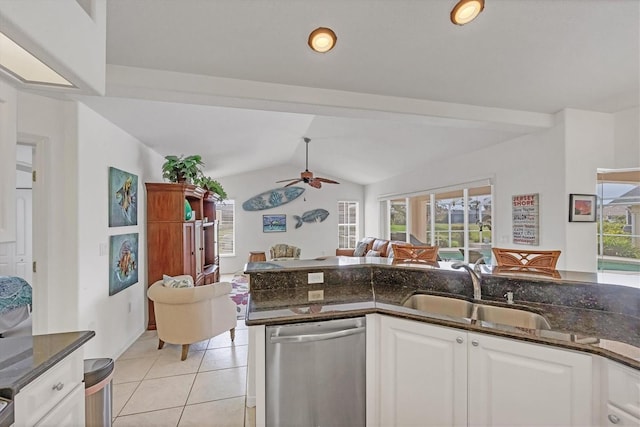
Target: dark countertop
<point x="594" y="318"/>
<point x="23" y="359"/>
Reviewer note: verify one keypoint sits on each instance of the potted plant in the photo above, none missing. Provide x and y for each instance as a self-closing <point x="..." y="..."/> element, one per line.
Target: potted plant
<point x="182" y="169"/>
<point x="211" y="185"/>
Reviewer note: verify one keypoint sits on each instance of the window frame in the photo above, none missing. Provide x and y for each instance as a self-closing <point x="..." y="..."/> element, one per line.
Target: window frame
<point x="233" y="227"/>
<point x="356" y="237"/>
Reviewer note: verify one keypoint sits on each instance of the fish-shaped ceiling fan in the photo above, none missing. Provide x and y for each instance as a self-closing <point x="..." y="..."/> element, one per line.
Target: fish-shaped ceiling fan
<point x="306" y="176"/>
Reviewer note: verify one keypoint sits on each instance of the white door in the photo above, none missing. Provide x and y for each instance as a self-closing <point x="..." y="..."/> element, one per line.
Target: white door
<point x="513" y="383"/>
<point x="16" y="257"/>
<point x="23" y="256"/>
<point x="423" y="378"/>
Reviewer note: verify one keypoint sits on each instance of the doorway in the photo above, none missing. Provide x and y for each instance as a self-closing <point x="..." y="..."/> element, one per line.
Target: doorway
<point x="16" y="258"/>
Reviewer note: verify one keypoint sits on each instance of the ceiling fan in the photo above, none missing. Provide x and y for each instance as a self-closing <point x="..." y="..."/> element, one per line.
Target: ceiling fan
<point x="306" y="176"/>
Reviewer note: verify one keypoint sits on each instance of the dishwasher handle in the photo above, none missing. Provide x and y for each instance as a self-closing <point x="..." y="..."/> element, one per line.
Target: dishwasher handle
<point x="292" y="339"/>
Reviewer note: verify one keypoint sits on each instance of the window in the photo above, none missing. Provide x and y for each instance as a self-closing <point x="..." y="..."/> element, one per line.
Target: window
<point x="225" y="213"/>
<point x="398" y="219"/>
<point x="347" y="224"/>
<point x="457" y="219"/>
<point x="618" y="220"/>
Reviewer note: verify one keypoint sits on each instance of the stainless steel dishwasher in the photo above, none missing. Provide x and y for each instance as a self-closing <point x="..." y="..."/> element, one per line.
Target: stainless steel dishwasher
<point x="315" y="374"/>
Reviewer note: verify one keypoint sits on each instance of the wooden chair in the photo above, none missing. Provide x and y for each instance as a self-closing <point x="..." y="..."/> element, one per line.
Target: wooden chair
<point x="416" y="254"/>
<point x="519" y="258"/>
<point x="473" y="255"/>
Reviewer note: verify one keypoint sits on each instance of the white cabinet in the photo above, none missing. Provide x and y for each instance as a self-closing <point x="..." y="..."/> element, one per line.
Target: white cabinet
<point x="54" y="396"/>
<point x="413" y="393"/>
<point x="621" y="394"/>
<point x="512" y="383"/>
<point x="429" y="375"/>
<point x="69" y="412"/>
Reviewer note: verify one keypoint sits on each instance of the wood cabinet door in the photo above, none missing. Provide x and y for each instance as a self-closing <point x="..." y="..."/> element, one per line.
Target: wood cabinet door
<point x="513" y="383"/>
<point x="423" y="378"/>
<point x="189" y="249"/>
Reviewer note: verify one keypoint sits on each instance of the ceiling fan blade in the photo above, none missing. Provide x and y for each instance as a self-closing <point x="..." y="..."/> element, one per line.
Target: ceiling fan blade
<point x="315" y="183"/>
<point x="328" y="181"/>
<point x="290" y="179"/>
<point x="293" y="182"/>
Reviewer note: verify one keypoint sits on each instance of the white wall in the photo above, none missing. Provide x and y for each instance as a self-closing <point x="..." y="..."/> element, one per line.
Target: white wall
<point x="552" y="163"/>
<point x="118" y="319"/>
<point x="7" y="162"/>
<point x="627" y="139"/>
<point x="315" y="239"/>
<point x="63" y="35"/>
<point x="589" y="145"/>
<point x="72" y="280"/>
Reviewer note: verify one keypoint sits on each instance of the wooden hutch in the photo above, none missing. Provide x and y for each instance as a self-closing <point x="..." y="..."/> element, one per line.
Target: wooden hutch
<point x="176" y="245"/>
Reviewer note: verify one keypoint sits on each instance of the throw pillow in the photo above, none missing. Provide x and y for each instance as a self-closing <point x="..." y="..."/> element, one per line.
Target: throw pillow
<point x="174" y="282"/>
<point x="360" y="249"/>
<point x="373" y="253"/>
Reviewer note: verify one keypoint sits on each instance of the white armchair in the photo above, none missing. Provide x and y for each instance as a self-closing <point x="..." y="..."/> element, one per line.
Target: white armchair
<point x="188" y="315"/>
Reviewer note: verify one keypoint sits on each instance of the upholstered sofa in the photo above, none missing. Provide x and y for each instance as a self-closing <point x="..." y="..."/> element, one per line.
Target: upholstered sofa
<point x="371" y="246"/>
<point x="283" y="252"/>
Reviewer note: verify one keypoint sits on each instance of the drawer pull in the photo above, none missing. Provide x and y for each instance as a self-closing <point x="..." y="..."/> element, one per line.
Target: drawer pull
<point x="58" y="386"/>
<point x="614" y="419"/>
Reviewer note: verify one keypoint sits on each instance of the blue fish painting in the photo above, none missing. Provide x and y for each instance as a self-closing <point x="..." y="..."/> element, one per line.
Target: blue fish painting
<point x="316" y="215"/>
<point x="272" y="198"/>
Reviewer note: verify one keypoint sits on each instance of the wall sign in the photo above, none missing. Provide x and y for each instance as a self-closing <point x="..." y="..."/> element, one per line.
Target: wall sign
<point x="525" y="220"/>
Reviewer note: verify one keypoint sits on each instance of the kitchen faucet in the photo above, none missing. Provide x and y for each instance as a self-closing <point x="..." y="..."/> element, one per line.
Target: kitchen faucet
<point x="475" y="273"/>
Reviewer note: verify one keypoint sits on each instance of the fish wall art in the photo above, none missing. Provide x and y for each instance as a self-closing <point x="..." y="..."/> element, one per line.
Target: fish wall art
<point x="315" y="215"/>
<point x="123" y="198"/>
<point x="123" y="262"/>
<point x="272" y="198"/>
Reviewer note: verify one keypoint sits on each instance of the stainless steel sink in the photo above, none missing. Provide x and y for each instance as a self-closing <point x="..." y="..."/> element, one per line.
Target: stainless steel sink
<point x="454" y="307"/>
<point x="512" y="317"/>
<point x="440" y="305"/>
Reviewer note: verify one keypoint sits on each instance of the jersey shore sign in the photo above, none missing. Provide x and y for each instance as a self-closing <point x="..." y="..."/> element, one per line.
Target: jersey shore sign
<point x="525" y="210"/>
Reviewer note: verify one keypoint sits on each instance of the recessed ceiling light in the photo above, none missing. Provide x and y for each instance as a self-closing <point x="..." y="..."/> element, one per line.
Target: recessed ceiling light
<point x="322" y="39"/>
<point x="22" y="65"/>
<point x="466" y="11"/>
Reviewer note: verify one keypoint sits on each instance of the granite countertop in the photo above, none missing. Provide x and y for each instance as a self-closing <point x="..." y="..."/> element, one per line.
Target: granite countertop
<point x="23" y="359"/>
<point x="598" y="319"/>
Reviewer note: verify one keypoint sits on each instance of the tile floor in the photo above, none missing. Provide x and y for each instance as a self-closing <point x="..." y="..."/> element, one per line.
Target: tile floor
<point x="154" y="387"/>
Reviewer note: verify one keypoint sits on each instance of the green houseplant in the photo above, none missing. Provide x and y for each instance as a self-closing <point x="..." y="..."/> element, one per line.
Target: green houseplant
<point x="182" y="168"/>
<point x="212" y="185"/>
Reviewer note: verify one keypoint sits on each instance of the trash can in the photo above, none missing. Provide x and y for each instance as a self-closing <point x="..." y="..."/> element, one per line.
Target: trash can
<point x="98" y="374"/>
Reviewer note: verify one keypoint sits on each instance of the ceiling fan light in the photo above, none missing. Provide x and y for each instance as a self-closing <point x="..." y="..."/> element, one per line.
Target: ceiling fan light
<point x="466" y="11"/>
<point x="322" y="39"/>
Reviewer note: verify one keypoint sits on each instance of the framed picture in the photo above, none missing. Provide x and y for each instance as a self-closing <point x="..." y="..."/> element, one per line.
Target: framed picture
<point x="274" y="223"/>
<point x="123" y="262"/>
<point x="582" y="207"/>
<point x="123" y="198"/>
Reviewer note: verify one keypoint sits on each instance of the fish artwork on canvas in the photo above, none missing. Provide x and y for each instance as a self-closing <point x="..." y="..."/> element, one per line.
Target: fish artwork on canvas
<point x="315" y="215"/>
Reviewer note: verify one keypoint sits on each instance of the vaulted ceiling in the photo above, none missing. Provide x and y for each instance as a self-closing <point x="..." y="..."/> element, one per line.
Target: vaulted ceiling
<point x="236" y="82"/>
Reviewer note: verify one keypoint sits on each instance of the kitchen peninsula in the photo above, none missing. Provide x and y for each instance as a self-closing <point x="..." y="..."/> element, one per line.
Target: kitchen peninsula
<point x="593" y="324"/>
<point x="41" y="376"/>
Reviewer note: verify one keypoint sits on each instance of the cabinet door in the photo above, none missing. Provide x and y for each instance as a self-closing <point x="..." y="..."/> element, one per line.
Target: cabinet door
<point x="199" y="249"/>
<point x="423" y="378"/>
<point x="513" y="383"/>
<point x="189" y="247"/>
